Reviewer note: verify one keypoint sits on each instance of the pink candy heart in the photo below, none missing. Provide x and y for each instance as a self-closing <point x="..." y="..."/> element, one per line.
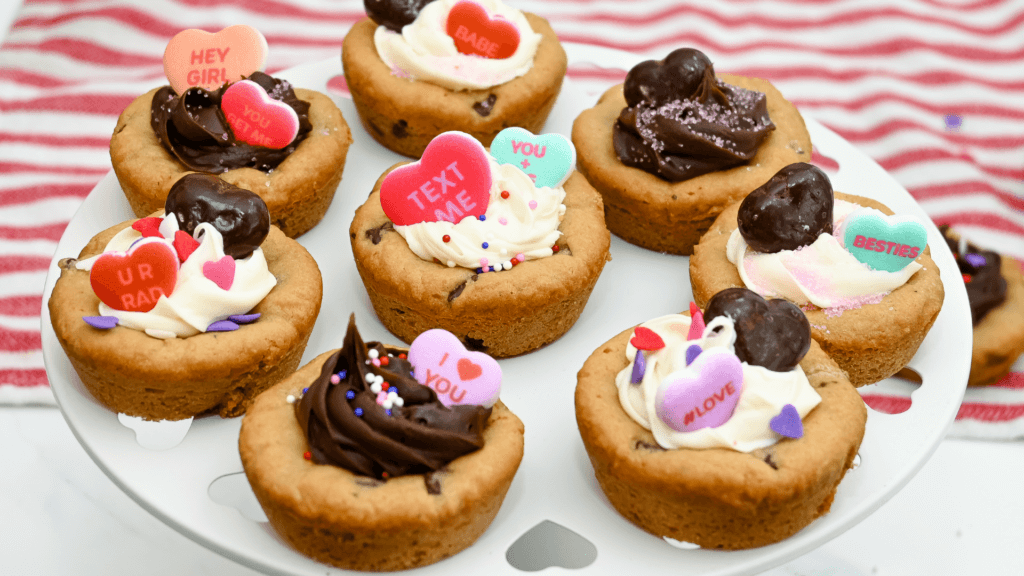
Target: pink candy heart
<point x="703" y="395"/>
<point x="458" y="376"/>
<point x="199" y="58"/>
<point x="451" y="181"/>
<point x="258" y="119"/>
<point x="221" y="272"/>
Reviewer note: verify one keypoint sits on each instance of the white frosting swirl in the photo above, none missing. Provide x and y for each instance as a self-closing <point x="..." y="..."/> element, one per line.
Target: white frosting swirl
<point x="764" y="392"/>
<point x="525" y="223"/>
<point x="424" y="51"/>
<point x="824" y="273"/>
<point x="196" y="301"/>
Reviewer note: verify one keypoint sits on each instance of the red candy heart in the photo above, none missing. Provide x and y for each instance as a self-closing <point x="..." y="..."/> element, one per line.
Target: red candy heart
<point x="199" y="58"/>
<point x="148" y="227"/>
<point x="476" y="33"/>
<point x="133" y="281"/>
<point x="646" y="339"/>
<point x="451" y="181"/>
<point x="468" y="370"/>
<point x="184" y="244"/>
<point x="258" y="119"/>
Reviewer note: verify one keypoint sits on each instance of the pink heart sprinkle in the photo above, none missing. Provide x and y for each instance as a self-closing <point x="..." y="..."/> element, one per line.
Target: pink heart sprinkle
<point x="221" y="272"/>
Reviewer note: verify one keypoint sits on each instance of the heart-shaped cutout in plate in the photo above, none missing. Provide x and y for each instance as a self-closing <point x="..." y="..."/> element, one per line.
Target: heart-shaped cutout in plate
<point x="550" y="544"/>
<point x="199" y="58"/>
<point x="134" y="280"/>
<point x="458" y="376"/>
<point x="450" y="182"/>
<point x="703" y="395"/>
<point x="548" y="159"/>
<point x="883" y="242"/>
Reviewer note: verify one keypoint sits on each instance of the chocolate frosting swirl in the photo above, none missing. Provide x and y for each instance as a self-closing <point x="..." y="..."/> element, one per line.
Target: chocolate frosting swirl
<point x="987" y="287"/>
<point x="421" y="436"/>
<point x="194" y="129"/>
<point x="681" y="122"/>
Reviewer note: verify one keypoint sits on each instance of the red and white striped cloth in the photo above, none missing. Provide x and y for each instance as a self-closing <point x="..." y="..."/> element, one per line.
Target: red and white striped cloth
<point x="931" y="89"/>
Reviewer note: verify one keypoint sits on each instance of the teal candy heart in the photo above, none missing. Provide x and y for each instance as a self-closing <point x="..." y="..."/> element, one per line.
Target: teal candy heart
<point x="547" y="159"/>
<point x="887" y="243"/>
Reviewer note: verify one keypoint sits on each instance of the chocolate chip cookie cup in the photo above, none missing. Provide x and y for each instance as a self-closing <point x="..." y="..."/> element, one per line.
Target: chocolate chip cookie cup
<point x="659" y="214"/>
<point x="995" y="291"/>
<point x="871" y="336"/>
<point x="404" y="114"/>
<point x="382" y="521"/>
<point x="297" y="189"/>
<point x="694" y="486"/>
<point x="220" y="372"/>
<point x="166" y="323"/>
<point x="503" y="313"/>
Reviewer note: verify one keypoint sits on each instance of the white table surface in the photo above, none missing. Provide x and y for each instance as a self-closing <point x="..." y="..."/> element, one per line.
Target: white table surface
<point x="59" y="515"/>
<point x="963" y="514"/>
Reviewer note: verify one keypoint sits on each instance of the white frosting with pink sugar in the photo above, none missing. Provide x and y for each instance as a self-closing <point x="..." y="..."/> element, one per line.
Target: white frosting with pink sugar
<point x="824" y="273"/>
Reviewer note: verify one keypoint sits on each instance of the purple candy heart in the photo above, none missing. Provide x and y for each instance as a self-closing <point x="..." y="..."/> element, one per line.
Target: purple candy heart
<point x="101" y="322"/>
<point x="703" y="395"/>
<point x="976" y="260"/>
<point x="639" y="367"/>
<point x="244" y="318"/>
<point x="222" y="326"/>
<point x="692" y="352"/>
<point x="788" y="423"/>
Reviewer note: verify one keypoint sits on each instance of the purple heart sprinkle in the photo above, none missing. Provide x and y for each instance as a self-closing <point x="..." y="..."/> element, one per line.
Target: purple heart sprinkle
<point x="976" y="260"/>
<point x="788" y="423"/>
<point x="222" y="326"/>
<point x="244" y="318"/>
<point x="101" y="322"/>
<point x="692" y="352"/>
<point x="639" y="367"/>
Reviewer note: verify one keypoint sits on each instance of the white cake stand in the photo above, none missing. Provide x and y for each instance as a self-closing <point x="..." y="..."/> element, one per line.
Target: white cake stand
<point x="555" y="482"/>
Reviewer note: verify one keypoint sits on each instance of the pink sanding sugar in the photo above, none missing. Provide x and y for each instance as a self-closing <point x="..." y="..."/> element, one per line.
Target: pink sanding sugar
<point x="853" y="303"/>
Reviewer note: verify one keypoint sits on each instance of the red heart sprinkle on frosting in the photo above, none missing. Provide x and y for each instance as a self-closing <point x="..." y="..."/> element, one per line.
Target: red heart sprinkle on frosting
<point x="148" y="227"/>
<point x="646" y="339"/>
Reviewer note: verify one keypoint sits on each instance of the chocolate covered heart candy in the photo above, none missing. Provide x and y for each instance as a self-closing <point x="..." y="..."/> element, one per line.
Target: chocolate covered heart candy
<point x="239" y="215"/>
<point x="773" y="333"/>
<point x="676" y="77"/>
<point x="394" y="14"/>
<point x="788" y="211"/>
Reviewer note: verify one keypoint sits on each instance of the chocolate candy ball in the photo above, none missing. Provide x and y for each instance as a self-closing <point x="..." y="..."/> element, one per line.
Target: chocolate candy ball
<point x="239" y="215"/>
<point x="788" y="211"/>
<point x="770" y="333"/>
<point x="676" y="77"/>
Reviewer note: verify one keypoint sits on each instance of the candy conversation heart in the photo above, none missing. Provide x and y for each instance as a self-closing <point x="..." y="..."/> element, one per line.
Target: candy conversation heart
<point x="548" y="159"/>
<point x="703" y="395"/>
<point x="133" y="281"/>
<point x="199" y="58"/>
<point x="883" y="242"/>
<point x="458" y="376"/>
<point x="476" y="33"/>
<point x="451" y="181"/>
<point x="256" y="118"/>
